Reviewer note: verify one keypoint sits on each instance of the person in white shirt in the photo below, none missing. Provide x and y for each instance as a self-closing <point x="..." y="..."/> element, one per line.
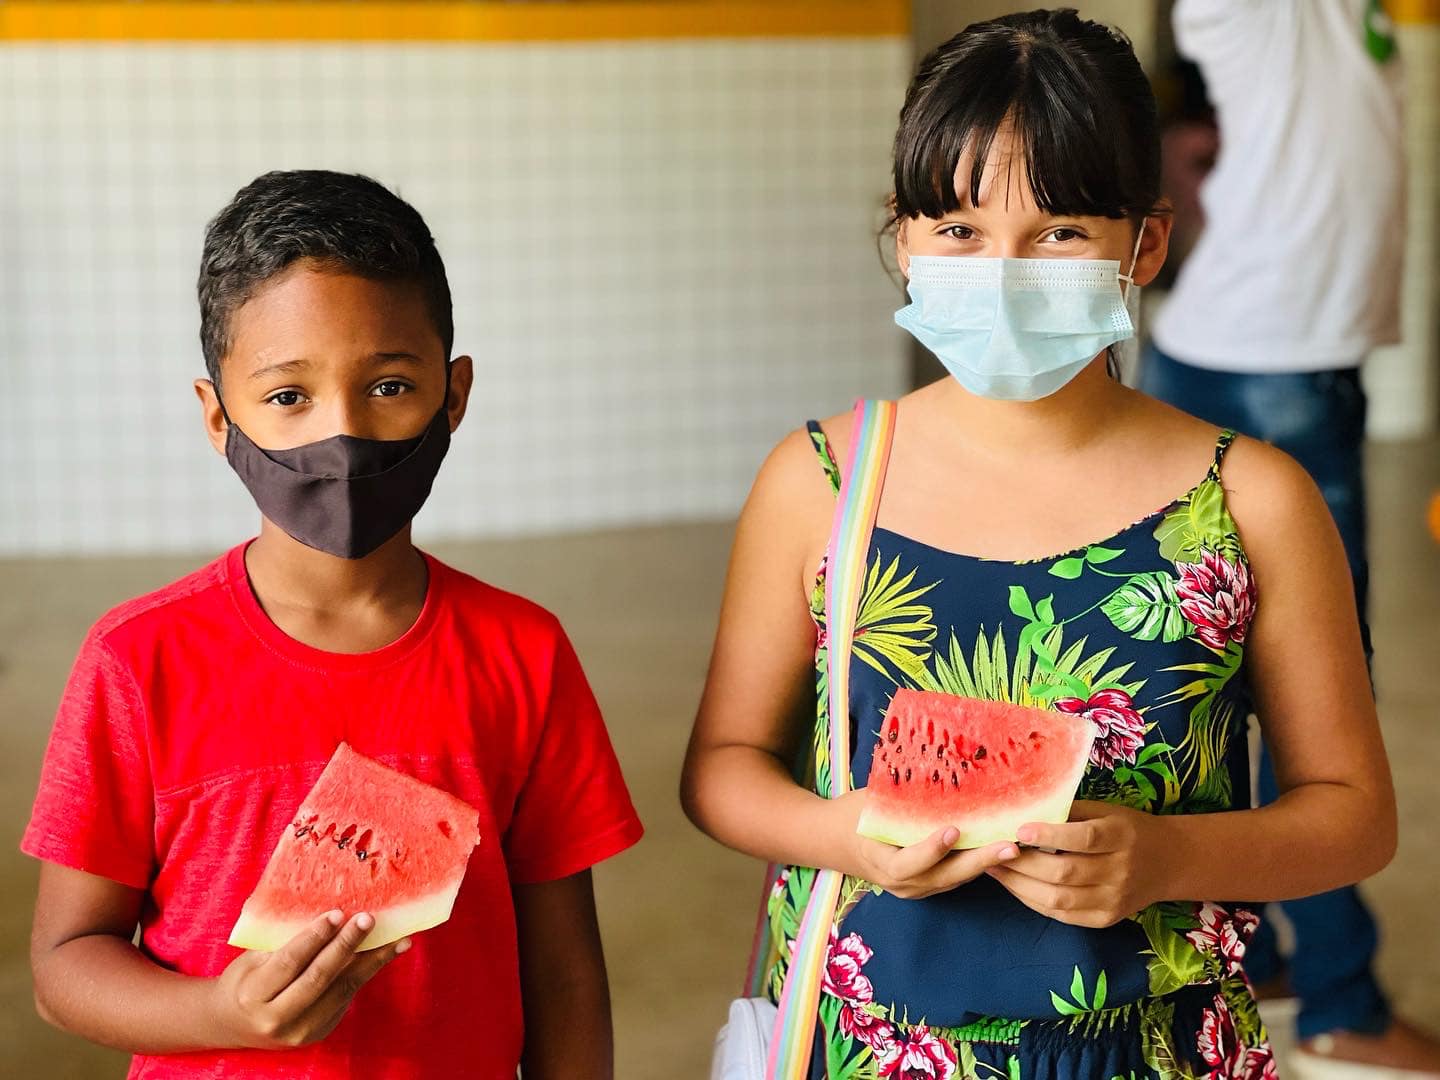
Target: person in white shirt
<point x="1294" y="279"/>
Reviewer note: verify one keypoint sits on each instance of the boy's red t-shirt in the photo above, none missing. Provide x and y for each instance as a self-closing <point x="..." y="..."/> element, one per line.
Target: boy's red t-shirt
<point x="192" y="727"/>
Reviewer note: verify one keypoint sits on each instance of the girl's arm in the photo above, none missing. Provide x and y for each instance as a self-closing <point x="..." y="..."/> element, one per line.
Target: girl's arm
<point x="563" y="985"/>
<point x="758" y="708"/>
<point x="1334" y="822"/>
<point x="92" y="981"/>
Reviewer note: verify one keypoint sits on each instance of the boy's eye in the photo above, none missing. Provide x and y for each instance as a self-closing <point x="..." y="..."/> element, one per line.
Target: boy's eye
<point x="391" y="388"/>
<point x="284" y="398"/>
<point x="1063" y="234"/>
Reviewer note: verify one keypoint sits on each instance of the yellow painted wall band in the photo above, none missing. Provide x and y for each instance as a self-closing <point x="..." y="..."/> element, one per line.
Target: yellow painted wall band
<point x="443" y="20"/>
<point x="1414" y="11"/>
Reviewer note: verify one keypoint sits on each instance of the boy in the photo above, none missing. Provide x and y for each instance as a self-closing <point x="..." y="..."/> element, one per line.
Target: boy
<point x="198" y="717"/>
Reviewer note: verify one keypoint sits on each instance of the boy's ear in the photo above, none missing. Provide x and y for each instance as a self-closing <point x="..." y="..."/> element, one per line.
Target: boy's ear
<point x="462" y="378"/>
<point x="1154" y="245"/>
<point x="212" y="415"/>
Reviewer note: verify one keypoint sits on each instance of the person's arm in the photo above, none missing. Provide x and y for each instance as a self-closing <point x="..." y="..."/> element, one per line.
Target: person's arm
<point x="563" y="984"/>
<point x="1334" y="822"/>
<point x="759" y="704"/>
<point x="91" y="980"/>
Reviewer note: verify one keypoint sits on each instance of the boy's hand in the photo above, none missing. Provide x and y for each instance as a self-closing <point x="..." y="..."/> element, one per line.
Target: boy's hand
<point x="1109" y="862"/>
<point x="924" y="868"/>
<point x="298" y="994"/>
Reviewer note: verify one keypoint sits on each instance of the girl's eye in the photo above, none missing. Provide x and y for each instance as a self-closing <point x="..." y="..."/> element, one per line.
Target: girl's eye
<point x="284" y="398"/>
<point x="1062" y="235"/>
<point x="959" y="232"/>
<point x="391" y="388"/>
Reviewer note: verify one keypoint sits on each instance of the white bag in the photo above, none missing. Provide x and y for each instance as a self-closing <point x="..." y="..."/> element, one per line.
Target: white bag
<point x="742" y="1044"/>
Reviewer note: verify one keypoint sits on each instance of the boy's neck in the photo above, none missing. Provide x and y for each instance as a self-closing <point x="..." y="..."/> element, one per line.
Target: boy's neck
<point x="288" y="576"/>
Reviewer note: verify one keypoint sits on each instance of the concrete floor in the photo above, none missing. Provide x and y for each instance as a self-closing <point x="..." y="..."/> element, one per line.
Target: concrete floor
<point x="678" y="910"/>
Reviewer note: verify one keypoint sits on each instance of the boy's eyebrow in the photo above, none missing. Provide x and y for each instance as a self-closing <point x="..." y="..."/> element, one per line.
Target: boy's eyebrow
<point x="288" y="366"/>
<point x="285" y="366"/>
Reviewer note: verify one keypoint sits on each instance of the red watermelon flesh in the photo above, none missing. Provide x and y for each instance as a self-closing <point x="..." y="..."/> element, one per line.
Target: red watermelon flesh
<point x="985" y="767"/>
<point x="366" y="838"/>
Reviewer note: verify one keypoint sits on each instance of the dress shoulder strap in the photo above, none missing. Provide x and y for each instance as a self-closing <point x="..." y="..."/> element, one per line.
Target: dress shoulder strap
<point x="825" y="452"/>
<point x="1221" y="445"/>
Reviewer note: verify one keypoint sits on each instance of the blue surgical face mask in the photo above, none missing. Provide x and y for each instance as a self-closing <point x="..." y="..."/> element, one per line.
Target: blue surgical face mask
<point x="1017" y="329"/>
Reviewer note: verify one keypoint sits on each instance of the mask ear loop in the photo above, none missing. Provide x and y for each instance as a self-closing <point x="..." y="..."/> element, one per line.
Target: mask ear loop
<point x="1129" y="278"/>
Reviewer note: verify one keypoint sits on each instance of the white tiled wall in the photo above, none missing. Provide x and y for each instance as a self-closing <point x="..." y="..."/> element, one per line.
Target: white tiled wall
<point x="662" y="256"/>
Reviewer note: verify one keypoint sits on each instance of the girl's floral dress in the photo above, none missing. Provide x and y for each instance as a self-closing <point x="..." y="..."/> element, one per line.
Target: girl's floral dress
<point x="1144" y="634"/>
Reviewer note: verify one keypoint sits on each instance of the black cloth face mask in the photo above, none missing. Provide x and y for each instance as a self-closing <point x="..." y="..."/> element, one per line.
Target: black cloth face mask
<point x="343" y="495"/>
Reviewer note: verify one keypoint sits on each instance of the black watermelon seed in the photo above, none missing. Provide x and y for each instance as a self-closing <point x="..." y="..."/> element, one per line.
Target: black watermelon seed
<point x="979" y="752"/>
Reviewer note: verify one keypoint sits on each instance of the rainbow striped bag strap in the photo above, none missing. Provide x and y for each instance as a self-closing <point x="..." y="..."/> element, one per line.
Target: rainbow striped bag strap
<point x="871" y="432"/>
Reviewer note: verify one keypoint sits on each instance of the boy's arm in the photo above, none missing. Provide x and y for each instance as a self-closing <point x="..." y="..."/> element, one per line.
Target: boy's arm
<point x="562" y="980"/>
<point x="92" y="981"/>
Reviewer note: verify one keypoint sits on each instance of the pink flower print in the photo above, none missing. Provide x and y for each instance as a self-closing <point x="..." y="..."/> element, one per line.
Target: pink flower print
<point x="1218" y="596"/>
<point x="1224" y="933"/>
<point x="1218" y="1043"/>
<point x="1258" y="1063"/>
<point x="1122" y="730"/>
<point x="842" y="970"/>
<point x="778" y="889"/>
<point x="920" y="1056"/>
<point x="1220" y="1046"/>
<point x="873" y="1031"/>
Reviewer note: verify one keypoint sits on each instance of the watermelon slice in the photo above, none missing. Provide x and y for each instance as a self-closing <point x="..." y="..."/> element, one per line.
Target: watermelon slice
<point x="366" y="838"/>
<point x="985" y="767"/>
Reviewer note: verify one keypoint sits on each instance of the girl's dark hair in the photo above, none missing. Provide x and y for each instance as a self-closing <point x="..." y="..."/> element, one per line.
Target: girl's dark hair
<point x="1082" y="109"/>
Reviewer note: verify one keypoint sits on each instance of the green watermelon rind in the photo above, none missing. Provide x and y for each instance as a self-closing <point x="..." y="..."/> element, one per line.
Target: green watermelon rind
<point x="254" y="930"/>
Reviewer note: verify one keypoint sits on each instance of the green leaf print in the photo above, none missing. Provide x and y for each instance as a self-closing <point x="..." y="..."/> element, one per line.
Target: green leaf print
<point x="1146" y="607"/>
<point x="1068" y="569"/>
<point x="1020" y="602"/>
<point x="890" y="625"/>
<point x="1080" y="1002"/>
<point x="1095" y="555"/>
<point x="1174" y="961"/>
<point x="1198" y="521"/>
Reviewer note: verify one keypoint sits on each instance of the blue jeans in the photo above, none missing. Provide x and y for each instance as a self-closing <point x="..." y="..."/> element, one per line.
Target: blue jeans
<point x="1319" y="419"/>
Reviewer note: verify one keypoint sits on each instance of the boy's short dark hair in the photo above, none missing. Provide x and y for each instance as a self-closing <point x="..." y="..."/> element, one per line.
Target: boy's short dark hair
<point x="348" y="221"/>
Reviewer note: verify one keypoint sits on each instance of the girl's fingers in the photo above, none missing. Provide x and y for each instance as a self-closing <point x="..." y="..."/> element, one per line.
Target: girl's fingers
<point x="278" y="970"/>
<point x="911" y="862"/>
<point x="1062" y="902"/>
<point x="309" y="985"/>
<point x="1087" y="837"/>
<point x="1062" y="869"/>
<point x="965" y="866"/>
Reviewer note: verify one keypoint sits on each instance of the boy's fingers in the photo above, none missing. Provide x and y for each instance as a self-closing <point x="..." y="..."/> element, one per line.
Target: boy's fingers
<point x="278" y="970"/>
<point x="308" y="986"/>
<point x="362" y="968"/>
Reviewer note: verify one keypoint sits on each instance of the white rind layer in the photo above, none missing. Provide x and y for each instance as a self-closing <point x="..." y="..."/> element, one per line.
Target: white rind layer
<point x="257" y="932"/>
<point x="975" y="831"/>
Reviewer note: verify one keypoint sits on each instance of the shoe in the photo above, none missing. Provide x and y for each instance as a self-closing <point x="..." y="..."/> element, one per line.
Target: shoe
<point x="1402" y="1052"/>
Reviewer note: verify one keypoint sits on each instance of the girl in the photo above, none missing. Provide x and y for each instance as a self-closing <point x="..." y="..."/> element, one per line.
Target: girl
<point x="1018" y="555"/>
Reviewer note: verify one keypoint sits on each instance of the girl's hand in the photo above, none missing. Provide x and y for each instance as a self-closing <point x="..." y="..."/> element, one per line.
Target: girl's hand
<point x="1109" y="863"/>
<point x="299" y="994"/>
<point x="922" y="869"/>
